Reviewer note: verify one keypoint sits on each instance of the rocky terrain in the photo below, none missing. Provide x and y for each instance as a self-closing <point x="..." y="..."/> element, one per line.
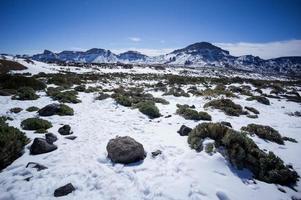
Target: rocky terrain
<point x="85" y="130"/>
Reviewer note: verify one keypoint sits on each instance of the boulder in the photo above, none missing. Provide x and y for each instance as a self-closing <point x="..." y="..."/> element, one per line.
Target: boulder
<point x="50" y="138"/>
<point x="65" y="130"/>
<point x="125" y="150"/>
<point x="49" y="110"/>
<point x="40" y="146"/>
<point x="184" y="130"/>
<point x="64" y="190"/>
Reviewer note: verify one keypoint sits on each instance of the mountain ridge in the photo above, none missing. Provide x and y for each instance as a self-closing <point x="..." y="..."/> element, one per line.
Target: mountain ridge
<point x="198" y="54"/>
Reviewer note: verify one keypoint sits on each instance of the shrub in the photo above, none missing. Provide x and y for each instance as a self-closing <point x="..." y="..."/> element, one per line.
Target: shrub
<point x="35" y="124"/>
<point x="91" y="89"/>
<point x="161" y="100"/>
<point x="177" y="92"/>
<point x="25" y="93"/>
<point x="260" y="99"/>
<point x="65" y="80"/>
<point x="80" y="88"/>
<point x="16" y="82"/>
<point x="67" y="97"/>
<point x="253" y="110"/>
<point x="32" y="109"/>
<point x="52" y="91"/>
<point x="12" y="142"/>
<point x="123" y="100"/>
<point x="205" y="116"/>
<point x="65" y="110"/>
<point x="149" y="108"/>
<point x="242" y="152"/>
<point x="264" y="132"/>
<point x="226" y="105"/>
<point x="102" y="96"/>
<point x="190" y="114"/>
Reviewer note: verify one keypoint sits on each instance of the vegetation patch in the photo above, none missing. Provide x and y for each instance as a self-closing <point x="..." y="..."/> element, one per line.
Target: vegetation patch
<point x="102" y="96"/>
<point x="177" y="92"/>
<point x="65" y="97"/>
<point x="260" y="99"/>
<point x="16" y="81"/>
<point x="264" y="132"/>
<point x="65" y="80"/>
<point x="226" y="105"/>
<point x="149" y="108"/>
<point x="12" y="142"/>
<point x="253" y="110"/>
<point x="32" y="109"/>
<point x="191" y="114"/>
<point x="7" y="65"/>
<point x="35" y="124"/>
<point x="242" y="152"/>
<point x="25" y="93"/>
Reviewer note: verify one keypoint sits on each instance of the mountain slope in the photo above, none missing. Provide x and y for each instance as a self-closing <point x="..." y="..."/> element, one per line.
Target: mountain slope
<point x="196" y="55"/>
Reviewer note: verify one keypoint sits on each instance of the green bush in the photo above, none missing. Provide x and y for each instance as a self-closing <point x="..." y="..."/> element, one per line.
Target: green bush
<point x="80" y="88"/>
<point x="65" y="110"/>
<point x="242" y="152"/>
<point x="123" y="100"/>
<point x="102" y="96"/>
<point x="149" y="108"/>
<point x="25" y="93"/>
<point x="260" y="99"/>
<point x="35" y="124"/>
<point x="32" y="109"/>
<point x="226" y="105"/>
<point x="17" y="81"/>
<point x="12" y="142"/>
<point x="65" y="80"/>
<point x="177" y="92"/>
<point x="253" y="110"/>
<point x="264" y="132"/>
<point x="190" y="114"/>
<point x="52" y="91"/>
<point x="67" y="97"/>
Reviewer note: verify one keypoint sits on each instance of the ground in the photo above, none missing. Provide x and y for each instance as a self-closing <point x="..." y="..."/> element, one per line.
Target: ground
<point x="178" y="173"/>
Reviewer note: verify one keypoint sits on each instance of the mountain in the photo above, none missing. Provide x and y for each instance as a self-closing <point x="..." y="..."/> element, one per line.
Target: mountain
<point x="132" y="56"/>
<point x="199" y="54"/>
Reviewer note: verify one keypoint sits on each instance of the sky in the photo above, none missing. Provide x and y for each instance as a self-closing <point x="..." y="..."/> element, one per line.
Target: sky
<point x="267" y="28"/>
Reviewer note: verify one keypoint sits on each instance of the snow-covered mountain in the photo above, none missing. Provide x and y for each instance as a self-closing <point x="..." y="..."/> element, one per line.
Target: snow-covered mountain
<point x="197" y="55"/>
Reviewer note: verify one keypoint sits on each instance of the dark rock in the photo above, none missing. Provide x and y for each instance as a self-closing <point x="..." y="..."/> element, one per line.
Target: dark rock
<point x="125" y="150"/>
<point x="50" y="138"/>
<point x="40" y="146"/>
<point x="184" y="130"/>
<point x="72" y="137"/>
<point x="49" y="110"/>
<point x="168" y="116"/>
<point x="226" y="124"/>
<point x="156" y="153"/>
<point x="252" y="116"/>
<point x="16" y="110"/>
<point x="65" y="130"/>
<point x="64" y="190"/>
<point x="38" y="166"/>
<point x="56" y="109"/>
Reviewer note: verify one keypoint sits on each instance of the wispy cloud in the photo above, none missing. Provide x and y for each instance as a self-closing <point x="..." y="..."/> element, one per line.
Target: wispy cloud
<point x="146" y="51"/>
<point x="135" y="39"/>
<point x="264" y="50"/>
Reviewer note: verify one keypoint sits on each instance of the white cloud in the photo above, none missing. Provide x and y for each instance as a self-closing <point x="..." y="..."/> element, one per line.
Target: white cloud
<point x="148" y="52"/>
<point x="135" y="39"/>
<point x="264" y="50"/>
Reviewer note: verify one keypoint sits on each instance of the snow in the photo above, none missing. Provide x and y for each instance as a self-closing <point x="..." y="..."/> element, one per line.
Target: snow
<point x="178" y="173"/>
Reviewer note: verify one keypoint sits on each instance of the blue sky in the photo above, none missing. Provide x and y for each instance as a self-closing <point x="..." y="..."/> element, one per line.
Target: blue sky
<point x="151" y="26"/>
